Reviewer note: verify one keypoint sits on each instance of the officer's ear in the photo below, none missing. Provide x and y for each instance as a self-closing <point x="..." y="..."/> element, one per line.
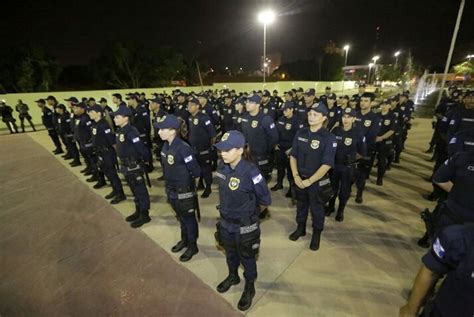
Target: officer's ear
<point x="240" y="151"/>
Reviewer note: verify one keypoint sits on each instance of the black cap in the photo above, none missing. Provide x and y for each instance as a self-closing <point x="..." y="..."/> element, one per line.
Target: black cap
<point x="102" y="100"/>
<point x="91" y="99"/>
<point x="123" y="111"/>
<point x="80" y="105"/>
<point x="118" y="96"/>
<point x="320" y="107"/>
<point x="328" y="88"/>
<point x="287" y="105"/>
<point x="72" y="100"/>
<point x="266" y="93"/>
<point x="132" y="97"/>
<point x="310" y="92"/>
<point x="50" y="98"/>
<point x="40" y="100"/>
<point x="332" y="96"/>
<point x="96" y="108"/>
<point x="156" y="100"/>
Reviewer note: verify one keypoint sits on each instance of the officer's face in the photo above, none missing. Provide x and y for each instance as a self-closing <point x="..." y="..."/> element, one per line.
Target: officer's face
<point x="344" y="101"/>
<point x="58" y="110"/>
<point x="193" y="108"/>
<point x="308" y="99"/>
<point x="315" y="118"/>
<point x="288" y="112"/>
<point x="239" y="107"/>
<point x="77" y="110"/>
<point x="228" y="101"/>
<point x="232" y="155"/>
<point x="180" y="99"/>
<point x="288" y="97"/>
<point x="50" y="102"/>
<point x="469" y="101"/>
<point x="154" y="106"/>
<point x="41" y="105"/>
<point x="347" y="120"/>
<point x="115" y="100"/>
<point x="331" y="102"/>
<point x="120" y="120"/>
<point x="94" y="115"/>
<point x="166" y="134"/>
<point x="251" y="106"/>
<point x="265" y="99"/>
<point x="365" y="103"/>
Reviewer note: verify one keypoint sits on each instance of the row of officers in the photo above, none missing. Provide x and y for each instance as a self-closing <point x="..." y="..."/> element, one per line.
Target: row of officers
<point x="321" y="152"/>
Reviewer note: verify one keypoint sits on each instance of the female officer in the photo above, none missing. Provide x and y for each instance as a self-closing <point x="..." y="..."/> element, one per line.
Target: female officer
<point x="311" y="158"/>
<point x="180" y="167"/>
<point x="242" y="191"/>
<point x="350" y="147"/>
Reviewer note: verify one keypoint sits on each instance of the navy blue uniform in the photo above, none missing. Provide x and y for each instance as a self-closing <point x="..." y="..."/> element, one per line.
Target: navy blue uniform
<point x="311" y="150"/>
<point x="83" y="135"/>
<point x="103" y="139"/>
<point x="334" y="114"/>
<point x="462" y="119"/>
<point x="388" y="122"/>
<point x="459" y="206"/>
<point x="141" y="121"/>
<point x="461" y="141"/>
<point x="368" y="126"/>
<point x="452" y="255"/>
<point x="47" y="120"/>
<point x="397" y="136"/>
<point x="156" y="138"/>
<point x="241" y="190"/>
<point x="67" y="133"/>
<point x="180" y="167"/>
<point x="269" y="108"/>
<point x="261" y="136"/>
<point x="287" y="128"/>
<point x="227" y="114"/>
<point x="349" y="144"/>
<point x="201" y="133"/>
<point x="132" y="152"/>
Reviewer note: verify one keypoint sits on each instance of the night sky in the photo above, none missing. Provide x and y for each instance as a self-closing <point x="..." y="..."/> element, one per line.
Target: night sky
<point x="226" y="32"/>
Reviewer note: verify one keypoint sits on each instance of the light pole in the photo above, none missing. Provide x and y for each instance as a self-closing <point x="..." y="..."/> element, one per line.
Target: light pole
<point x="368" y="77"/>
<point x="397" y="53"/>
<point x="375" y="59"/>
<point x="346" y="50"/>
<point x="265" y="17"/>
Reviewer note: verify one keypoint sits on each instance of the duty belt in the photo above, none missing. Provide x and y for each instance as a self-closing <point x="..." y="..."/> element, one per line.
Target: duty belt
<point x="185" y="195"/>
<point x="239" y="221"/>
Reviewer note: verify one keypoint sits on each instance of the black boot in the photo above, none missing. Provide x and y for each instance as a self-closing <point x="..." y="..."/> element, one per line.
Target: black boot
<point x="75" y="163"/>
<point x="179" y="246"/>
<point x="277" y="187"/>
<point x="315" y="239"/>
<point x="200" y="185"/>
<point x="133" y="216"/>
<point x="57" y="151"/>
<point x="231" y="280"/>
<point x="93" y="178"/>
<point x="111" y="195"/>
<point x="424" y="241"/>
<point x="359" y="199"/>
<point x="379" y="181"/>
<point x="331" y="206"/>
<point x="340" y="212"/>
<point x="190" y="252"/>
<point x="85" y="170"/>
<point x="247" y="296"/>
<point x="264" y="213"/>
<point x="142" y="219"/>
<point x="118" y="198"/>
<point x="299" y="232"/>
<point x="67" y="156"/>
<point x="206" y="192"/>
<point x="100" y="183"/>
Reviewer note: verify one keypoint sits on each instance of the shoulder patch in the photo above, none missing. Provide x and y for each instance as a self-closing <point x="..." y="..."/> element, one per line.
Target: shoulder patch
<point x="438" y="248"/>
<point x="135" y="140"/>
<point x="208" y="122"/>
<point x="272" y="125"/>
<point x="188" y="159"/>
<point x="107" y="131"/>
<point x="257" y="179"/>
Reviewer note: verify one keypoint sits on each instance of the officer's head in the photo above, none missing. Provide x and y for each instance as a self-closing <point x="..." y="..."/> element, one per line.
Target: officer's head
<point x="366" y="101"/>
<point x="385" y="106"/>
<point x="155" y="103"/>
<point x="469" y="100"/>
<point x="228" y="100"/>
<point x="344" y="100"/>
<point x="317" y="114"/>
<point x="327" y="90"/>
<point x="132" y="100"/>
<point x="95" y="112"/>
<point x="168" y="126"/>
<point x="287" y="109"/>
<point x="122" y="115"/>
<point x="348" y="117"/>
<point x="103" y="102"/>
<point x="266" y="96"/>
<point x="203" y="99"/>
<point x="231" y="146"/>
<point x="60" y="109"/>
<point x="116" y="99"/>
<point x="299" y="92"/>
<point x="91" y="102"/>
<point x="41" y="103"/>
<point x="362" y="88"/>
<point x="20" y="101"/>
<point x="240" y="104"/>
<point x="275" y="93"/>
<point x="394" y="101"/>
<point x="253" y="104"/>
<point x="193" y="105"/>
<point x="71" y="101"/>
<point x="51" y="100"/>
<point x="309" y="96"/>
<point x="289" y="96"/>
<point x="331" y="100"/>
<point x="181" y="97"/>
<point x="79" y="108"/>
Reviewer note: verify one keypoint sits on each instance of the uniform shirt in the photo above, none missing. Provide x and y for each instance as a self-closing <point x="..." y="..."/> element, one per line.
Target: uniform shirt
<point x="461" y="141"/>
<point x="408" y="107"/>
<point x="452" y="254"/>
<point x="141" y="120"/>
<point x="313" y="149"/>
<point x="226" y="113"/>
<point x="181" y="110"/>
<point x="462" y="119"/>
<point x="237" y="120"/>
<point x="368" y="125"/>
<point x="209" y="110"/>
<point x="6" y="112"/>
<point x="64" y="122"/>
<point x="22" y="108"/>
<point x="269" y="109"/>
<point x="387" y="122"/>
<point x="301" y="112"/>
<point x="82" y="128"/>
<point x="102" y="135"/>
<point x="179" y="164"/>
<point x="400" y="117"/>
<point x="445" y="121"/>
<point x="156" y="118"/>
<point x="260" y="133"/>
<point x="129" y="145"/>
<point x="241" y="190"/>
<point x="334" y="114"/>
<point x="459" y="169"/>
<point x="287" y="128"/>
<point x="349" y="143"/>
<point x="201" y="131"/>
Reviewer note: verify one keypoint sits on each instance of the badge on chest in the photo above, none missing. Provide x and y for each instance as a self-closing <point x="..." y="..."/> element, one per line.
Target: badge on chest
<point x="367" y="123"/>
<point x="94" y="131"/>
<point x="288" y="126"/>
<point x="170" y="159"/>
<point x="195" y="121"/>
<point x="386" y="122"/>
<point x="315" y="144"/>
<point x="254" y="123"/>
<point x="234" y="183"/>
<point x="348" y="141"/>
<point x="78" y="121"/>
<point x="121" y="137"/>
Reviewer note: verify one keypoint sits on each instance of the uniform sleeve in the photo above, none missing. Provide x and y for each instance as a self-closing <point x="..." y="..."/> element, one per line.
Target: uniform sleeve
<point x="294" y="147"/>
<point x="329" y="150"/>
<point x="373" y="131"/>
<point x="444" y="125"/>
<point x="361" y="146"/>
<point x="393" y="123"/>
<point x="261" y="189"/>
<point x="190" y="160"/>
<point x="270" y="130"/>
<point x="209" y="127"/>
<point x="109" y="135"/>
<point x="446" y="172"/>
<point x="453" y="124"/>
<point x="448" y="250"/>
<point x="137" y="143"/>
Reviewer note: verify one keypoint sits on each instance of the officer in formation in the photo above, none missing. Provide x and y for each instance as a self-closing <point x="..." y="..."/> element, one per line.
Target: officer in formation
<point x="47" y="120"/>
<point x="384" y="139"/>
<point x="312" y="156"/>
<point x="65" y="130"/>
<point x="180" y="168"/>
<point x="242" y="193"/>
<point x="6" y="112"/>
<point x="23" y="113"/>
<point x="132" y="154"/>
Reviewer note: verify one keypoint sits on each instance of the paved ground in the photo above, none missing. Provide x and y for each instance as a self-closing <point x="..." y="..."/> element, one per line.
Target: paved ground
<point x="364" y="268"/>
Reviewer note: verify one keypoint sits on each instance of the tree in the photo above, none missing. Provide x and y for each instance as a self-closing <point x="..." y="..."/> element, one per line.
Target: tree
<point x="466" y="68"/>
<point x="332" y="63"/>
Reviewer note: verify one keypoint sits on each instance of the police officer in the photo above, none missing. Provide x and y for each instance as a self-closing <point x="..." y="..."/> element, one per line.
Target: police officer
<point x="463" y="118"/>
<point x="302" y="108"/>
<point x="141" y="121"/>
<point x="384" y="139"/>
<point x="334" y="111"/>
<point x="201" y="137"/>
<point x="180" y="168"/>
<point x="117" y="100"/>
<point x="358" y="96"/>
<point x="397" y="136"/>
<point x="368" y="125"/>
<point x="47" y="119"/>
<point x="23" y="114"/>
<point x="350" y="147"/>
<point x="268" y="106"/>
<point x="103" y="139"/>
<point x="71" y="141"/>
<point x="227" y="112"/>
<point x="242" y="192"/>
<point x="66" y="132"/>
<point x="312" y="156"/>
<point x="52" y="102"/>
<point x="239" y="112"/>
<point x="287" y="125"/>
<point x="452" y="256"/>
<point x="277" y="99"/>
<point x="132" y="153"/>
<point x="157" y="112"/>
<point x="181" y="108"/>
<point x="6" y="112"/>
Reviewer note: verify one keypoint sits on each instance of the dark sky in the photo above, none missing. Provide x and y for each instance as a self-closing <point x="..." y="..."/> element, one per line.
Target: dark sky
<point x="75" y="31"/>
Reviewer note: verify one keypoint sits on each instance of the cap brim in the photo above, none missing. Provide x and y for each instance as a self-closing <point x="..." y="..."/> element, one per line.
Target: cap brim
<point x="222" y="146"/>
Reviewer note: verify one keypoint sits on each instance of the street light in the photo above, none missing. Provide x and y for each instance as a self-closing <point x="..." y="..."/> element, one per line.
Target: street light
<point x="265" y="17"/>
<point x="346" y="49"/>
<point x="469" y="57"/>
<point x="368" y="77"/>
<point x="397" y="53"/>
